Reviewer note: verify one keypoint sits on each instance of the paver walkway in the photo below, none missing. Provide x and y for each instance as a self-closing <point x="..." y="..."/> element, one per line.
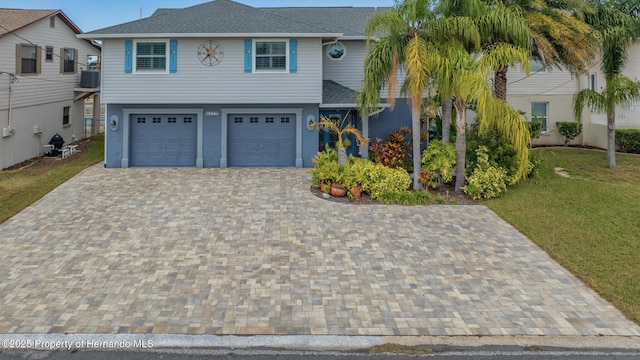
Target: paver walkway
<point x="251" y="251"/>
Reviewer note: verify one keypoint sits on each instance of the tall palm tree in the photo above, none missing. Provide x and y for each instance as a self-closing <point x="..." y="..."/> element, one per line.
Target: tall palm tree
<point x="400" y="46"/>
<point x="618" y="24"/>
<point x="560" y="36"/>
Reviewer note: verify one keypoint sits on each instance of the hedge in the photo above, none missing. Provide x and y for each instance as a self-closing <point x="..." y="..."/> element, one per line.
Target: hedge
<point x="628" y="140"/>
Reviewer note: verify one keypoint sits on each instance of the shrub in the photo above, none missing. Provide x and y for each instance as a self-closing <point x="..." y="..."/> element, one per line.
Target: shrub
<point x="569" y="130"/>
<point x="535" y="160"/>
<point x="437" y="161"/>
<point x="355" y="172"/>
<point x="326" y="167"/>
<point x="501" y="153"/>
<point x="381" y="179"/>
<point x="406" y="198"/>
<point x="394" y="152"/>
<point x="535" y="128"/>
<point x="628" y="140"/>
<point x="486" y="181"/>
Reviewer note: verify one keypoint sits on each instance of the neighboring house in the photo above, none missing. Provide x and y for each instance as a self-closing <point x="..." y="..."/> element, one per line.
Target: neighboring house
<point x="548" y="94"/>
<point x="223" y="84"/>
<point x="40" y="65"/>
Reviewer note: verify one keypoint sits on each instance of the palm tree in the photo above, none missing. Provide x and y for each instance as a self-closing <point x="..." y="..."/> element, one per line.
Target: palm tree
<point x="494" y="23"/>
<point x="559" y="36"/>
<point x="466" y="77"/>
<point x="402" y="45"/>
<point x="618" y="25"/>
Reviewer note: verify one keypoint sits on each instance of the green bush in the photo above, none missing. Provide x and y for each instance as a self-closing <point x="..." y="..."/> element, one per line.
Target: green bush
<point x="406" y="198"/>
<point x="381" y="179"/>
<point x="501" y="153"/>
<point x="569" y="130"/>
<point x="437" y="161"/>
<point x="628" y="140"/>
<point x="326" y="167"/>
<point x="535" y="128"/>
<point x="355" y="172"/>
<point x="486" y="181"/>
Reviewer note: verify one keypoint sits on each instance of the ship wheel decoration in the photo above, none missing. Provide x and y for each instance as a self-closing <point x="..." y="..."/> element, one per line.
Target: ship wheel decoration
<point x="210" y="53"/>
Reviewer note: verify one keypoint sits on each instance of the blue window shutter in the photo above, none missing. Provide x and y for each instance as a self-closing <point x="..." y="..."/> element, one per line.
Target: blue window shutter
<point x="173" y="56"/>
<point x="248" y="56"/>
<point x="293" y="56"/>
<point x="128" y="56"/>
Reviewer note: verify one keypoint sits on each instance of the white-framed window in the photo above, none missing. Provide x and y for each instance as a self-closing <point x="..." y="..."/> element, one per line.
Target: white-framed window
<point x="540" y="112"/>
<point x="48" y="53"/>
<point x="65" y="115"/>
<point x="593" y="81"/>
<point x="271" y="56"/>
<point x="151" y="56"/>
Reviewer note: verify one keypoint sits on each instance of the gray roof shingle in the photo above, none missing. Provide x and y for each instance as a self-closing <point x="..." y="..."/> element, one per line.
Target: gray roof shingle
<point x="334" y="93"/>
<point x="350" y="21"/>
<point x="216" y="17"/>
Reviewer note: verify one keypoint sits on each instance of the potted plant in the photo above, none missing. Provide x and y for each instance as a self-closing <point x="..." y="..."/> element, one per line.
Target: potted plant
<point x="354" y="175"/>
<point x="341" y="128"/>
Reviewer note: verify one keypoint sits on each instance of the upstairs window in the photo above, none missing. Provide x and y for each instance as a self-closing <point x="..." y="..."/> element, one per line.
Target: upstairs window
<point x="151" y="56"/>
<point x="65" y="115"/>
<point x="68" y="63"/>
<point x="27" y="59"/>
<point x="271" y="56"/>
<point x="49" y="54"/>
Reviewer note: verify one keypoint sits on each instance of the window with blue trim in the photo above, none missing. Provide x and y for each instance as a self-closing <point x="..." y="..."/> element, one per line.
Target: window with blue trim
<point x="151" y="56"/>
<point x="271" y="55"/>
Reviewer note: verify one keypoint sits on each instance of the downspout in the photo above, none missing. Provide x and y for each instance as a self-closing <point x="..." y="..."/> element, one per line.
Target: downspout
<point x="11" y="80"/>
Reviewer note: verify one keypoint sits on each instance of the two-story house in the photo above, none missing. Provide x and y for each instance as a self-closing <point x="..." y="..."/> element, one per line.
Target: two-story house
<point x="40" y="64"/>
<point x="223" y="84"/>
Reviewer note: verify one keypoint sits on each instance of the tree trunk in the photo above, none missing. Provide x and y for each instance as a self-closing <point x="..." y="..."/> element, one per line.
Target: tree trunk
<point x="417" y="159"/>
<point x="611" y="138"/>
<point x="446" y="119"/>
<point x="461" y="143"/>
<point x="500" y="84"/>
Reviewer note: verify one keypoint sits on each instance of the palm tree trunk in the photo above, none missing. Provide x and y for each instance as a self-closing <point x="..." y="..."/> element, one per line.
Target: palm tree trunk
<point x="611" y="138"/>
<point x="446" y="119"/>
<point x="500" y="84"/>
<point x="415" y="125"/>
<point x="461" y="143"/>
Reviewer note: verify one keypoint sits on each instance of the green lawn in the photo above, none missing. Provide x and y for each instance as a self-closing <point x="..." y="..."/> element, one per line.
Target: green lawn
<point x="589" y="223"/>
<point x="20" y="188"/>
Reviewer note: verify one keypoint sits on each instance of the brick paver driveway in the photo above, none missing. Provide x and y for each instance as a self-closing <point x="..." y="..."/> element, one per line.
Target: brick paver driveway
<point x="251" y="251"/>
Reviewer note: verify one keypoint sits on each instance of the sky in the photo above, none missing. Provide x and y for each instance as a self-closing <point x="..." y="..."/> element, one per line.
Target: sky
<point x="95" y="14"/>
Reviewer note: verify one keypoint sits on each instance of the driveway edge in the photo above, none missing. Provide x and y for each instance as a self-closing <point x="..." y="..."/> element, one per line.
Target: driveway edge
<point x="136" y="342"/>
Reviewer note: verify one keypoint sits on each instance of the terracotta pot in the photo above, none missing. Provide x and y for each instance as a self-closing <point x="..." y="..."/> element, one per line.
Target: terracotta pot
<point x="338" y="190"/>
<point x="324" y="184"/>
<point x="356" y="192"/>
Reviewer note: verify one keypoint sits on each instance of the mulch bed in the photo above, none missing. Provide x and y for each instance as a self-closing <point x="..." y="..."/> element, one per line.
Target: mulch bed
<point x="445" y="192"/>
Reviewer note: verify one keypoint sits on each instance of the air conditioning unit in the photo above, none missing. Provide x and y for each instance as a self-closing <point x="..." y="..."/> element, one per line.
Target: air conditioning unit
<point x="37" y="130"/>
<point x="90" y="79"/>
<point x="8" y="131"/>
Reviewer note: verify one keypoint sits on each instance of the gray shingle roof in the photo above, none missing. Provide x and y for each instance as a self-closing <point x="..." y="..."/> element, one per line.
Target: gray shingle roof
<point x="350" y="21"/>
<point x="334" y="93"/>
<point x="216" y="17"/>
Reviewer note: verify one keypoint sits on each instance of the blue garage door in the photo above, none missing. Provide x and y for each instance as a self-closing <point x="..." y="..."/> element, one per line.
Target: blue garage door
<point x="163" y="140"/>
<point x="262" y="140"/>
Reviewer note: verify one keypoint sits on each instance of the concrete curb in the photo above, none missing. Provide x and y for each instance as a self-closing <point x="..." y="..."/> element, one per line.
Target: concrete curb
<point x="136" y="342"/>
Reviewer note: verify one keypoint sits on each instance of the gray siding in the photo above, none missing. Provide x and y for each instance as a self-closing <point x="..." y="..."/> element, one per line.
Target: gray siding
<point x="39" y="99"/>
<point x="225" y="83"/>
<point x="349" y="71"/>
